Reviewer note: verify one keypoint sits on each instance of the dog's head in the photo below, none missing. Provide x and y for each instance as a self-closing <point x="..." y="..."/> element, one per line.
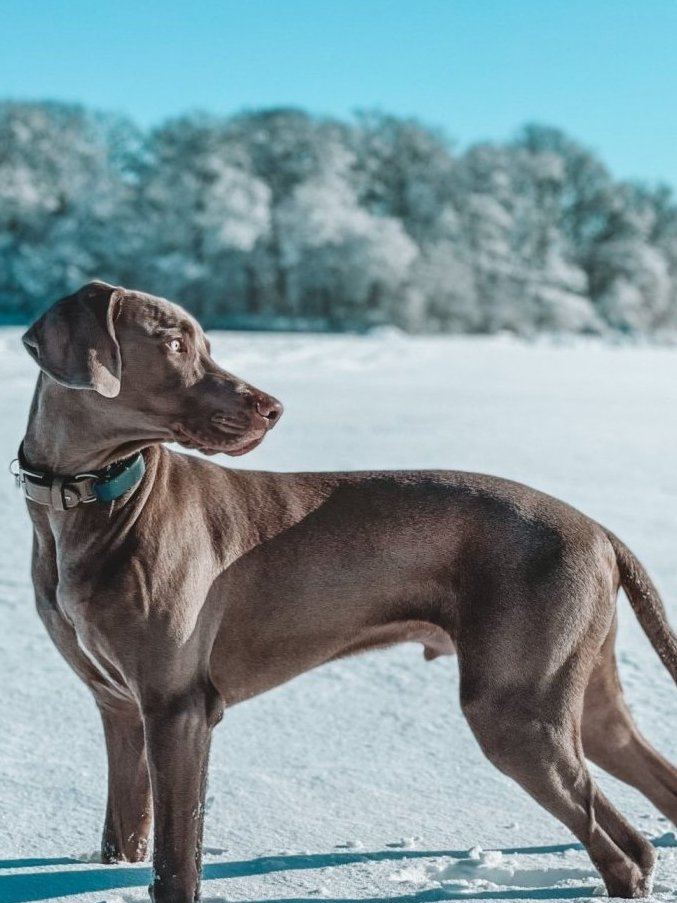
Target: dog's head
<point x="151" y="362"/>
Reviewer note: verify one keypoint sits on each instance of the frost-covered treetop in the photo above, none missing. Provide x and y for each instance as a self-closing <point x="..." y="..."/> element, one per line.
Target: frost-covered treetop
<point x="277" y="218"/>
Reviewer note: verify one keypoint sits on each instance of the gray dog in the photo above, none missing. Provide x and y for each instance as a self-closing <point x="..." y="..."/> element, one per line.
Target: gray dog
<point x="176" y="588"/>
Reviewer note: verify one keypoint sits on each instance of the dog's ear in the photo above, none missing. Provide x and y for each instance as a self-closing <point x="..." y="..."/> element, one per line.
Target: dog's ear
<point x="74" y="342"/>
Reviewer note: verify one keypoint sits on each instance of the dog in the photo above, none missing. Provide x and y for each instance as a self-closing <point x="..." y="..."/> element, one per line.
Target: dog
<point x="176" y="588"/>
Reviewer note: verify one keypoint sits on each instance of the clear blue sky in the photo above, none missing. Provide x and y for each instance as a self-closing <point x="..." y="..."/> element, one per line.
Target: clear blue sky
<point x="604" y="70"/>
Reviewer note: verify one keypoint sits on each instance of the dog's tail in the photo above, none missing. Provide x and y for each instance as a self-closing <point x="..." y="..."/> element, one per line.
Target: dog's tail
<point x="646" y="603"/>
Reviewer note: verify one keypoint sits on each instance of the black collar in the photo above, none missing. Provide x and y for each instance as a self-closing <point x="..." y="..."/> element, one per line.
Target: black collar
<point x="63" y="492"/>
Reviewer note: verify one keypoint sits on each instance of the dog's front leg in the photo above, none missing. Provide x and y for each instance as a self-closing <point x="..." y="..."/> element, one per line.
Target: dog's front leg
<point x="128" y="813"/>
<point x="178" y="735"/>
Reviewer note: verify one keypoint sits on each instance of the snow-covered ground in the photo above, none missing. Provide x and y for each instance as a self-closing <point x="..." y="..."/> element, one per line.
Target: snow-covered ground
<point x="361" y="781"/>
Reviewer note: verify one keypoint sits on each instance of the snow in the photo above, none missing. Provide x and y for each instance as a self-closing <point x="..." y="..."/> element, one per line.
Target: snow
<point x="361" y="780"/>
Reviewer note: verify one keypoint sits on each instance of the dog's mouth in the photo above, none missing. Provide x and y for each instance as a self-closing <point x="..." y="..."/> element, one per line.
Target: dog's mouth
<point x="233" y="445"/>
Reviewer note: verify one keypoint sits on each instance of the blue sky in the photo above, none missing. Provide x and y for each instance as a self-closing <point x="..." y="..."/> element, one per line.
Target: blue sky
<point x="604" y="70"/>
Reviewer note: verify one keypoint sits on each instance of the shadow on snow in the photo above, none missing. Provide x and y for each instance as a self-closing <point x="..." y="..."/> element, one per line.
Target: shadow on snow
<point x="45" y="885"/>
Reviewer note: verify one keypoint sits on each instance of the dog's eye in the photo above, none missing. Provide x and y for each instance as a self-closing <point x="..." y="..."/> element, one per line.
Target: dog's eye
<point x="176" y="345"/>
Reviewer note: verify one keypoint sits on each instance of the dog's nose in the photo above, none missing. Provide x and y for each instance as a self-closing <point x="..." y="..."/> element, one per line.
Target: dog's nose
<point x="269" y="408"/>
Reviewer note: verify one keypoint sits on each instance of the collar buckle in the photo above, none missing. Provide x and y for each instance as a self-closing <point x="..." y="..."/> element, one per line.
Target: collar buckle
<point x="86" y="481"/>
<point x="61" y="493"/>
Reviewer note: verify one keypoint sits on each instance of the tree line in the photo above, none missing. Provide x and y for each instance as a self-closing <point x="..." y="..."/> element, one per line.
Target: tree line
<point x="281" y="219"/>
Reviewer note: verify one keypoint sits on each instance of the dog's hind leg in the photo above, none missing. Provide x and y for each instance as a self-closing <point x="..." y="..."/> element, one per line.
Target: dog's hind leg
<point x="129" y="810"/>
<point x="611" y="738"/>
<point x="527" y="721"/>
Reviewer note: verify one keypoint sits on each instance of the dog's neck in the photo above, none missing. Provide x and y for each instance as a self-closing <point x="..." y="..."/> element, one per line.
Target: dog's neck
<point x="70" y="431"/>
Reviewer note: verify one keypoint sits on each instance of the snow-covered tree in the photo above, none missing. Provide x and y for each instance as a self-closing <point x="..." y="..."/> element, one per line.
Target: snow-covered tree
<point x="203" y="212"/>
<point x="343" y="263"/>
<point x="281" y="217"/>
<point x="65" y="181"/>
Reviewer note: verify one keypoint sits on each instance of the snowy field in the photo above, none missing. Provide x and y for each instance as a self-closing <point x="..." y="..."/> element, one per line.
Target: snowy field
<point x="361" y="781"/>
